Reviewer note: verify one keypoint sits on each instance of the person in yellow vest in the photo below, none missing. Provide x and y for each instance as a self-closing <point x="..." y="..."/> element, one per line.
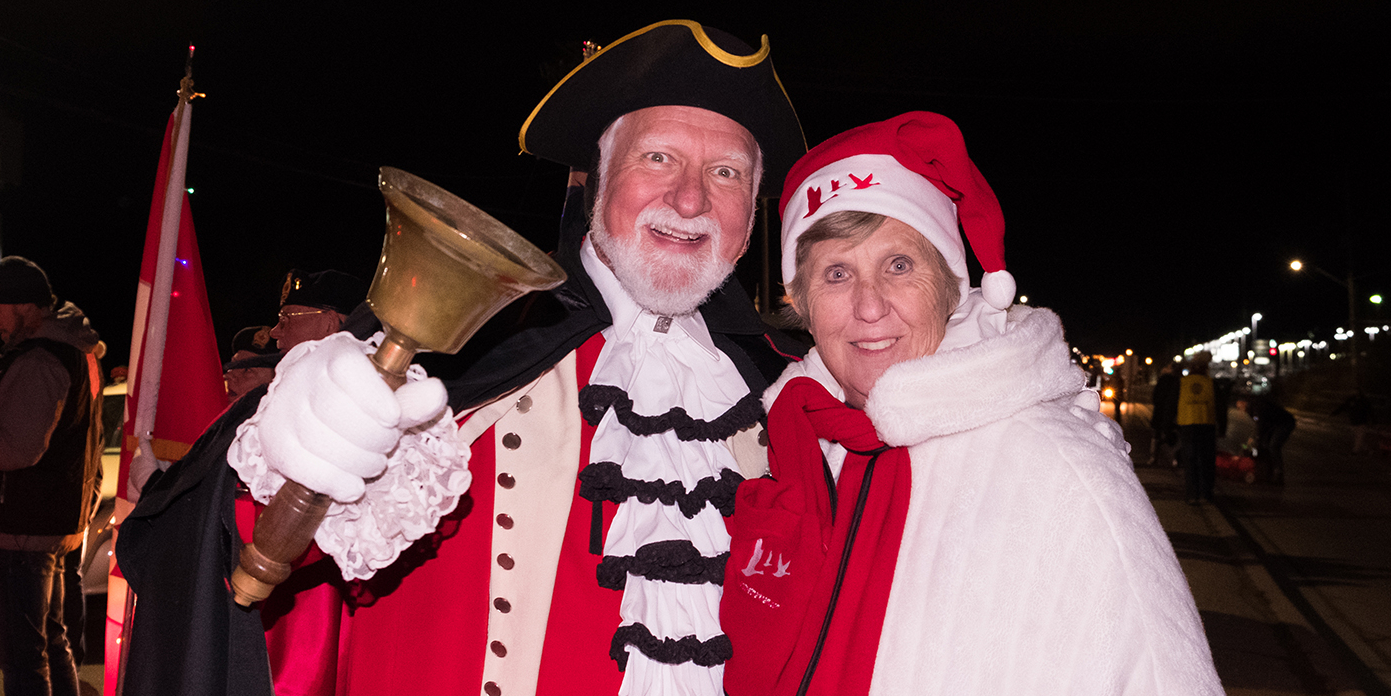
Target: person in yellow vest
<point x="1197" y="430"/>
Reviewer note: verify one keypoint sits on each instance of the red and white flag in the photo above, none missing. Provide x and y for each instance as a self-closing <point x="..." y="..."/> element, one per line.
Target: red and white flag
<point x="176" y="388"/>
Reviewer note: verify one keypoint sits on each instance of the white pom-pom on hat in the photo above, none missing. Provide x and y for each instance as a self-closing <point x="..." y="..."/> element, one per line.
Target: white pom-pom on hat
<point x="998" y="289"/>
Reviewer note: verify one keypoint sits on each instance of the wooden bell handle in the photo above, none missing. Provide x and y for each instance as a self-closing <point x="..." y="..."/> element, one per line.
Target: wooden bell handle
<point x="287" y="525"/>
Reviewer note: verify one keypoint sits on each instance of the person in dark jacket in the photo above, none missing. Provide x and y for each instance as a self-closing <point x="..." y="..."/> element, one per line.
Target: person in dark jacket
<point x="1221" y="396"/>
<point x="1163" y="421"/>
<point x="1273" y="427"/>
<point x="50" y="456"/>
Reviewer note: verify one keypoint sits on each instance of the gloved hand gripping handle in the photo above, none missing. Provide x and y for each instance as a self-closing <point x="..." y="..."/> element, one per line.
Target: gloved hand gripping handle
<point x="290" y="520"/>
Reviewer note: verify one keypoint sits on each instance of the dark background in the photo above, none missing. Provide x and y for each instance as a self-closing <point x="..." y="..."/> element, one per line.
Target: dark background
<point x="1158" y="166"/>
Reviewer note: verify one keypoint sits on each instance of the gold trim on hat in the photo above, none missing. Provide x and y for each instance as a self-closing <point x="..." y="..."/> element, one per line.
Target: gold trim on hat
<point x="701" y="38"/>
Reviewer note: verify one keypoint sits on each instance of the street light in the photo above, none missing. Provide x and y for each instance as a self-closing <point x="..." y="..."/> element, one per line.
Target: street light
<point x="1350" y="286"/>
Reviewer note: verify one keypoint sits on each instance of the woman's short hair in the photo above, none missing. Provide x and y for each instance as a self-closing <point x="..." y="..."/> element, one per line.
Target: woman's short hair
<point x="855" y="227"/>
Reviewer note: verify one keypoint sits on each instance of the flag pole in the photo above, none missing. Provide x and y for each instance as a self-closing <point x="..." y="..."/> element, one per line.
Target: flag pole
<point x="150" y="362"/>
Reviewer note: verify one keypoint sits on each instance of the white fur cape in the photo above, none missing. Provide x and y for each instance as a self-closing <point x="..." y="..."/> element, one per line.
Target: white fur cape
<point x="1032" y="561"/>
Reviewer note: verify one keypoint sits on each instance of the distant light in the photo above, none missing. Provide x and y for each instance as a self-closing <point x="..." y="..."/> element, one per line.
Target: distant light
<point x="1262" y="360"/>
<point x="174" y="294"/>
<point x="1300" y="353"/>
<point x="1178" y="358"/>
<point x="1296" y="265"/>
<point x="1149" y="361"/>
<point x="190" y="190"/>
<point x="182" y="262"/>
<point x="1372" y="330"/>
<point x="1120" y="359"/>
<point x="1256" y="317"/>
<point x="1024" y="299"/>
<point x="1376" y="299"/>
<point x="1246" y="331"/>
<point x="1108" y="392"/>
<point x="1129" y="351"/>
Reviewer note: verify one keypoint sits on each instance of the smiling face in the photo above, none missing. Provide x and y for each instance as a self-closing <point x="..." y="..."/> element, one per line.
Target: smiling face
<point x="873" y="304"/>
<point x="676" y="204"/>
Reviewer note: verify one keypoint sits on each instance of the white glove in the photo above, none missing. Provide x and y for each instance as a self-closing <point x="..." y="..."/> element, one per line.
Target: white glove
<point x="331" y="420"/>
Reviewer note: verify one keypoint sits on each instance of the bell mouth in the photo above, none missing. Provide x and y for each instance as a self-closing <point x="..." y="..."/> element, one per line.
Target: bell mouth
<point x="446" y="266"/>
<point x="467" y="233"/>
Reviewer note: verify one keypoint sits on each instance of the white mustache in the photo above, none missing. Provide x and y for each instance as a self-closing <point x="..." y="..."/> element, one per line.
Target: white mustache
<point x="663" y="218"/>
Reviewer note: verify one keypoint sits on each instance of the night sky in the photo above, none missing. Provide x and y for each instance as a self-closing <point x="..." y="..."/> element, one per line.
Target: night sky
<point x="1158" y="167"/>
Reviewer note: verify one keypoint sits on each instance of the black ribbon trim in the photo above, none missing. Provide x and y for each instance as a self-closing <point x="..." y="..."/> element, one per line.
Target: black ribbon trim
<point x="602" y="481"/>
<point x="673" y="561"/>
<point x="715" y="651"/>
<point x="596" y="399"/>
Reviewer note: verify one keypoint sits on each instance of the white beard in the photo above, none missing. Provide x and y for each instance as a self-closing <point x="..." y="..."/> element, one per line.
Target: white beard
<point x="664" y="284"/>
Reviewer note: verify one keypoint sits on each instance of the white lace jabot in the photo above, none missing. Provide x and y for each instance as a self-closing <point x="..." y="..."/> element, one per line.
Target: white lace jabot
<point x="660" y="370"/>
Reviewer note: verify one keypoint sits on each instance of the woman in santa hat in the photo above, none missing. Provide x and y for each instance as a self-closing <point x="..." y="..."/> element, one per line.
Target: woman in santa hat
<point x="947" y="511"/>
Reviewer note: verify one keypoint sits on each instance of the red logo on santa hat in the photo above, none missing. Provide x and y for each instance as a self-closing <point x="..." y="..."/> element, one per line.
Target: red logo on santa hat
<point x="814" y="201"/>
<point x="865" y="182"/>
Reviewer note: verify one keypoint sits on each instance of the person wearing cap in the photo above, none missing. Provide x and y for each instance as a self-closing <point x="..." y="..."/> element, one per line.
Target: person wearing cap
<point x="1001" y="541"/>
<point x="254" y="356"/>
<point x="314" y="305"/>
<point x="599" y="421"/>
<point x="50" y="459"/>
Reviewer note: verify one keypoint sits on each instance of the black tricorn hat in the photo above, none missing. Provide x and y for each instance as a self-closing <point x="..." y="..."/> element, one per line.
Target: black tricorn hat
<point x="679" y="63"/>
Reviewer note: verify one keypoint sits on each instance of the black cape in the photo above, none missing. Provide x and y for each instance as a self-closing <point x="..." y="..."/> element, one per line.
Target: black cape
<point x="179" y="545"/>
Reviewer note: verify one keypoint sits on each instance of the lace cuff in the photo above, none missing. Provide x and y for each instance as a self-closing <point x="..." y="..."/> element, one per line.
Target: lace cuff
<point x="424" y="478"/>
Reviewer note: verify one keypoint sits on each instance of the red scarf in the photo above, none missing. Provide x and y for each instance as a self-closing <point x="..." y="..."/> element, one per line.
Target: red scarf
<point x="786" y="552"/>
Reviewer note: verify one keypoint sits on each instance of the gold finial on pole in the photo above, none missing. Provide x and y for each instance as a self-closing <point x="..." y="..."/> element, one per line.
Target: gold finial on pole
<point x="186" y="93"/>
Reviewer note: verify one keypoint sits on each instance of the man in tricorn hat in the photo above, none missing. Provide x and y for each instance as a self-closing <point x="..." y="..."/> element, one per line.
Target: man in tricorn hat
<point x="603" y="420"/>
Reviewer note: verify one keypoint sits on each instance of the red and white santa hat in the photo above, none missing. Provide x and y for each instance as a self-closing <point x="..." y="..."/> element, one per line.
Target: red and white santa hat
<point x="913" y="168"/>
